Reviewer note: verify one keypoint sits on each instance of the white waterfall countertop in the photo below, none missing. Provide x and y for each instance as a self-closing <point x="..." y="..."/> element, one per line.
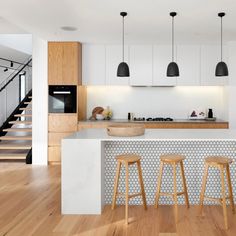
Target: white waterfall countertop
<point x="159" y="134"/>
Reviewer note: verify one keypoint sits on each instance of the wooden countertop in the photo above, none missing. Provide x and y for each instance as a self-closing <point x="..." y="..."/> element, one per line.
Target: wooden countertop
<point x="175" y="124"/>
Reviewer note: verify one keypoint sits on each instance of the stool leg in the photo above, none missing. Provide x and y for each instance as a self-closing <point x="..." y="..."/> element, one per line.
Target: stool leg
<point x="184" y="184"/>
<point x="126" y="192"/>
<point x="223" y="196"/>
<point x="230" y="189"/>
<point x="141" y="185"/>
<point x="159" y="185"/>
<point x="203" y="188"/>
<point x="175" y="193"/>
<point x="116" y="185"/>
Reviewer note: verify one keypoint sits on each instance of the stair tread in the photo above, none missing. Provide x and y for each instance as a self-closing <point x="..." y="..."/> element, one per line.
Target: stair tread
<point x="27" y="102"/>
<point x="15" y="137"/>
<point x="20" y="122"/>
<point x="25" y="108"/>
<point x="30" y="97"/>
<point x="15" y="146"/>
<point x="23" y="115"/>
<point x="18" y="130"/>
<point x="13" y="156"/>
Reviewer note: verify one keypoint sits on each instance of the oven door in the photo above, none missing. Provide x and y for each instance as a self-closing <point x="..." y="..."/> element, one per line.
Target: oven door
<point x="62" y="99"/>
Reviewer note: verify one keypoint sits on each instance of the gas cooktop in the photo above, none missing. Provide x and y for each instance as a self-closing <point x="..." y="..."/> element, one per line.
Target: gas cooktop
<point x="153" y="119"/>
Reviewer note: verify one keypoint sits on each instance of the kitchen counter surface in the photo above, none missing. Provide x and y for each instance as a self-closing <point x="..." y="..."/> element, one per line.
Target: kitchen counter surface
<point x="132" y="121"/>
<point x="162" y="134"/>
<point x="175" y="124"/>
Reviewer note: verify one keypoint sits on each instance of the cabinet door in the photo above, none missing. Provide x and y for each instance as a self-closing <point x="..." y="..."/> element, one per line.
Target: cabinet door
<point x="161" y="59"/>
<point x="54" y="154"/>
<point x="210" y="56"/>
<point x="93" y="65"/>
<point x="113" y="59"/>
<point x="188" y="57"/>
<point x="141" y="65"/>
<point x="62" y="123"/>
<point x="64" y="63"/>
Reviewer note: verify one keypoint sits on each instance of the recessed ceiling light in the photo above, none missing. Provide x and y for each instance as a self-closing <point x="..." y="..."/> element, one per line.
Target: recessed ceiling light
<point x="68" y="28"/>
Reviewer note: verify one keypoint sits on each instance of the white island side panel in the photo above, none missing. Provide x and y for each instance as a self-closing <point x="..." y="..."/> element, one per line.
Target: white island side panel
<point x="82" y="176"/>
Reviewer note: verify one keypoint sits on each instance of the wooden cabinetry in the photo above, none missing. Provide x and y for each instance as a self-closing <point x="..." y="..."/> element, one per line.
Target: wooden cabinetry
<point x="62" y="122"/>
<point x="59" y="126"/>
<point x="64" y="63"/>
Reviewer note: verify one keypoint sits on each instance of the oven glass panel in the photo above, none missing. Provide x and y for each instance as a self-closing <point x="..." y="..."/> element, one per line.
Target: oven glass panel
<point x="62" y="99"/>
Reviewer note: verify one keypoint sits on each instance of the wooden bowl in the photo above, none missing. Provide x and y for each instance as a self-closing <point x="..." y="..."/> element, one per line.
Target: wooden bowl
<point x="125" y="130"/>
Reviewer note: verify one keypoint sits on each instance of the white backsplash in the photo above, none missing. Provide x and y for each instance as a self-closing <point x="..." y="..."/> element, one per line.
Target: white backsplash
<point x="176" y="102"/>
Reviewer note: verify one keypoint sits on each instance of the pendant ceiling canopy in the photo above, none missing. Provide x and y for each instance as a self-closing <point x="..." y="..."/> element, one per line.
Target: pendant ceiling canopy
<point x="123" y="68"/>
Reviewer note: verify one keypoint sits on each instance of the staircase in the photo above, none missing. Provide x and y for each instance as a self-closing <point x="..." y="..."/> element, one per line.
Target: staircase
<point x="16" y="110"/>
<point x="16" y="133"/>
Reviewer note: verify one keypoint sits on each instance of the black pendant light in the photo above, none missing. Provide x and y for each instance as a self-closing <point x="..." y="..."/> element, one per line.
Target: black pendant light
<point x="123" y="68"/>
<point x="221" y="67"/>
<point x="172" y="69"/>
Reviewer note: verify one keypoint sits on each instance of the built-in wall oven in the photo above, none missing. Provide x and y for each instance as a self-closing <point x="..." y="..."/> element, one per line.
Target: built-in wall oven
<point x="62" y="99"/>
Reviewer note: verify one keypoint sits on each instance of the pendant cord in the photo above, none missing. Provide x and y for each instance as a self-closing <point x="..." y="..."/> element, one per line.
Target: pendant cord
<point x="172" y="39"/>
<point x="123" y="39"/>
<point x="221" y="38"/>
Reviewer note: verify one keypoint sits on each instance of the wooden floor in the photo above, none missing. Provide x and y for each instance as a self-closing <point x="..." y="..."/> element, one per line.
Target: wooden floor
<point x="30" y="205"/>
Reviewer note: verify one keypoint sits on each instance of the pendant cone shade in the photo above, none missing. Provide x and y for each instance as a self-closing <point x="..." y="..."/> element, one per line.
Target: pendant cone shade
<point x="123" y="68"/>
<point x="172" y="69"/>
<point x="221" y="67"/>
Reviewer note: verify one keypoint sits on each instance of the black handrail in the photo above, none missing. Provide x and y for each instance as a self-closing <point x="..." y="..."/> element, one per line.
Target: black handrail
<point x="9" y="81"/>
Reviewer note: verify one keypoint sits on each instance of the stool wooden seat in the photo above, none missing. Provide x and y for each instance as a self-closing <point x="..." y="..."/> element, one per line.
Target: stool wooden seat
<point x="126" y="160"/>
<point x="172" y="159"/>
<point x="129" y="158"/>
<point x="221" y="163"/>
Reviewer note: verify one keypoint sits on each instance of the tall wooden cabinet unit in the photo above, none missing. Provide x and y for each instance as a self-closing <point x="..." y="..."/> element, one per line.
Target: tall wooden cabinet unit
<point x="64" y="60"/>
<point x="64" y="68"/>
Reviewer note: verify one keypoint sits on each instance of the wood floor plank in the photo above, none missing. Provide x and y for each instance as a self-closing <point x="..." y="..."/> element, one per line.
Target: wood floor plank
<point x="30" y="205"/>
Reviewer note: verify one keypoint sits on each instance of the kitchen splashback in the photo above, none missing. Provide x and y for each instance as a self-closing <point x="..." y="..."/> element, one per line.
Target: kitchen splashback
<point x="176" y="102"/>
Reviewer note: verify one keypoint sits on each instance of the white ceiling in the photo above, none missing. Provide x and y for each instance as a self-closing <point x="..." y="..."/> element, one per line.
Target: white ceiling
<point x="98" y="21"/>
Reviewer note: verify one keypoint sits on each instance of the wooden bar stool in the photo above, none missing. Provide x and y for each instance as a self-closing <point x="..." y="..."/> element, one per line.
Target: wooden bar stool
<point x="126" y="160"/>
<point x="221" y="163"/>
<point x="172" y="159"/>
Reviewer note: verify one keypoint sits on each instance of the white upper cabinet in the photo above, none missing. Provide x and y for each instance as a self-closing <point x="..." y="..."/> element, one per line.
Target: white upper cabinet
<point x="210" y="56"/>
<point x="141" y="65"/>
<point x="113" y="59"/>
<point x="93" y="64"/>
<point x="161" y="60"/>
<point x="188" y="59"/>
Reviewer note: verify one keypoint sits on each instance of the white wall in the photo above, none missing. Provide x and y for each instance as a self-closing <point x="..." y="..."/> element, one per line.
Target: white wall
<point x="40" y="102"/>
<point x="19" y="42"/>
<point x="176" y="102"/>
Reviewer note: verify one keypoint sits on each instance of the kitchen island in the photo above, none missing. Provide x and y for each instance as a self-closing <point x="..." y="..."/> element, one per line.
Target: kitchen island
<point x="88" y="165"/>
